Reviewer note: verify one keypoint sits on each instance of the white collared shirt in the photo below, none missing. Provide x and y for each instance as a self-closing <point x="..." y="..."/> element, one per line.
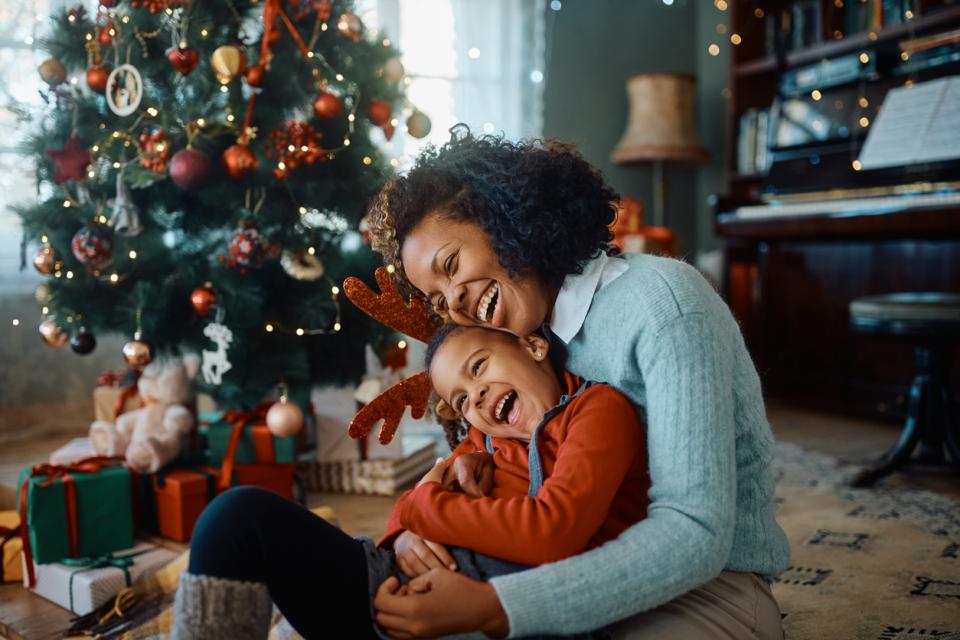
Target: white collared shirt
<point x="576" y="293"/>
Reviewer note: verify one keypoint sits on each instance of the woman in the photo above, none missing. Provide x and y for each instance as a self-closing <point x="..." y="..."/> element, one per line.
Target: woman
<point x="515" y="236"/>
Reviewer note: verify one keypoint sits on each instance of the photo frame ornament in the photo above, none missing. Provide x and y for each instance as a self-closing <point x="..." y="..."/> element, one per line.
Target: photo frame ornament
<point x="124" y="90"/>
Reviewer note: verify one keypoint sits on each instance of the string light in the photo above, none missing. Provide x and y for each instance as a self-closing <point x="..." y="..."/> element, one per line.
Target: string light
<point x="735" y="39"/>
<point x="346" y="142"/>
<point x="339" y="77"/>
<point x="201" y="122"/>
<point x="324" y="27"/>
<point x="856" y="165"/>
<point x="92" y="173"/>
<point x="223" y="88"/>
<point x="312" y="250"/>
<point x="125" y="19"/>
<point x="908" y="14"/>
<point x="69" y="275"/>
<point x="44" y="239"/>
<point x="713" y="50"/>
<point x="114" y="278"/>
<point x="394" y="163"/>
<point x="300" y="331"/>
<point x="335" y="290"/>
<point x="758" y="12"/>
<point x="45" y="310"/>
<point x="116" y="165"/>
<point x="386" y="42"/>
<point x="269" y="328"/>
<point x="336" y="326"/>
<point x="872" y="36"/>
<point x="204" y="33"/>
<point x="367" y="160"/>
<point x="230" y="117"/>
<point x="132" y="254"/>
<point x="815" y="94"/>
<point x="153" y="112"/>
<point x="66" y="204"/>
<point x="16" y="322"/>
<point x="473" y="53"/>
<point x="351" y="117"/>
<point x="72" y="18"/>
<point x="864" y="57"/>
<point x="720" y="4"/>
<point x="838" y="35"/>
<point x="864" y="122"/>
<point x="904" y="56"/>
<point x="863" y="102"/>
<point x="102" y="219"/>
<point x="391" y="268"/>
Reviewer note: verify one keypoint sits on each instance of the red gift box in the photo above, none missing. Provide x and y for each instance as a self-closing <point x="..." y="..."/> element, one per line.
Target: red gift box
<point x="182" y="494"/>
<point x="275" y="477"/>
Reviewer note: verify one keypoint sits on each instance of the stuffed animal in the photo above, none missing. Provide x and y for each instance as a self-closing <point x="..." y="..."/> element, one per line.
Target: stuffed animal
<point x="152" y="436"/>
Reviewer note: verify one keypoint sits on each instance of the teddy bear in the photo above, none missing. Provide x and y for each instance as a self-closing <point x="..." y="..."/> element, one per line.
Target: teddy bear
<point x="152" y="436"/>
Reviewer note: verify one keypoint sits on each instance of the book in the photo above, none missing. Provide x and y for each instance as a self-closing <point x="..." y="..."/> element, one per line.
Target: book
<point x="371" y="477"/>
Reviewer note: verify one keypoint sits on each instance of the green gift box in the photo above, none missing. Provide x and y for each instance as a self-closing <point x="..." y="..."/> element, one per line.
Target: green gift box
<point x="256" y="443"/>
<point x="103" y="511"/>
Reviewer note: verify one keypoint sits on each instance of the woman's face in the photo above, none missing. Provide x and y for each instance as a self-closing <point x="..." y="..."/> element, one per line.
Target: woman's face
<point x="500" y="383"/>
<point x="452" y="262"/>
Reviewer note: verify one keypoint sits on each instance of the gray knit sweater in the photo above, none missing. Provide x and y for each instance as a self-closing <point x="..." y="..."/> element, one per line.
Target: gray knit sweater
<point x="660" y="334"/>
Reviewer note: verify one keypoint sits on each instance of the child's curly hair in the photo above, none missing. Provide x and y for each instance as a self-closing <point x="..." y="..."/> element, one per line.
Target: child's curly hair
<point x="546" y="210"/>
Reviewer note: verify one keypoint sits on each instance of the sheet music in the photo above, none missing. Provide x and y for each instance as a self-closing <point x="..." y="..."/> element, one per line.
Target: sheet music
<point x="915" y="124"/>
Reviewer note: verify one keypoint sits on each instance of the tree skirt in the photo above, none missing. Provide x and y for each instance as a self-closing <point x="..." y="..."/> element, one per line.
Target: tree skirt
<point x="867" y="564"/>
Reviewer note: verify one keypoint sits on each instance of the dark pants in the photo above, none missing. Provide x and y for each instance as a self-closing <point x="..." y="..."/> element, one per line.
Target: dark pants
<point x="318" y="576"/>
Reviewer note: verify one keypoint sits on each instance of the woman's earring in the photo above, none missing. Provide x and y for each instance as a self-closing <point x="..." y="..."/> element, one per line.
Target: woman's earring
<point x="539" y="353"/>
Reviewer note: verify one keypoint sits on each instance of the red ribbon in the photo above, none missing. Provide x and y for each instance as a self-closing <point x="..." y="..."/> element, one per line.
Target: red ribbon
<point x="56" y="472"/>
<point x="240" y="420"/>
<point x="118" y="404"/>
<point x="6" y="535"/>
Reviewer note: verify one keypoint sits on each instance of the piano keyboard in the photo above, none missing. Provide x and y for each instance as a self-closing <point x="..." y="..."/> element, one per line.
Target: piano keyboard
<point x="850" y="206"/>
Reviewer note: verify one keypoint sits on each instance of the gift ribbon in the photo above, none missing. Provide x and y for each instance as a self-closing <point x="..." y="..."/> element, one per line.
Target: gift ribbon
<point x="209" y="473"/>
<point x="127" y="393"/>
<point x="6" y="535"/>
<point x="56" y="472"/>
<point x="240" y="419"/>
<point x="123" y="563"/>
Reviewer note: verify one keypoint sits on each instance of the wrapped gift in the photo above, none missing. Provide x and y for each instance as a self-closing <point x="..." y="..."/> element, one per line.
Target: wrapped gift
<point x="10" y="547"/>
<point x="278" y="478"/>
<point x="83" y="584"/>
<point x="255" y="442"/>
<point x="371" y="477"/>
<point x="144" y="503"/>
<point x="109" y="401"/>
<point x="77" y="510"/>
<point x="74" y="451"/>
<point x="181" y="494"/>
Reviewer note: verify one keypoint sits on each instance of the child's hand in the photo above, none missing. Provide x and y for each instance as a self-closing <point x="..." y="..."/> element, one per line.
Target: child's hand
<point x="471" y="473"/>
<point x="416" y="556"/>
<point x="435" y="474"/>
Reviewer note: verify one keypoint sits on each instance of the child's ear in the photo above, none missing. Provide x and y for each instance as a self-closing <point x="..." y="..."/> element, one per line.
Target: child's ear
<point x="445" y="411"/>
<point x="537" y="346"/>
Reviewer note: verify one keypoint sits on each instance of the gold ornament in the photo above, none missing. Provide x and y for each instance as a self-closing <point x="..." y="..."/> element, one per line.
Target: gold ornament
<point x="52" y="333"/>
<point x="137" y="353"/>
<point x="301" y="266"/>
<point x="350" y="26"/>
<point x="227" y="61"/>
<point x="418" y="125"/>
<point x="284" y="418"/>
<point x="47" y="262"/>
<point x="52" y="72"/>
<point x="393" y="70"/>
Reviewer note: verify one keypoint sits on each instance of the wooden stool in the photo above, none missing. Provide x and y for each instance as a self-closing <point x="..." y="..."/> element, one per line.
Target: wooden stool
<point x="931" y="323"/>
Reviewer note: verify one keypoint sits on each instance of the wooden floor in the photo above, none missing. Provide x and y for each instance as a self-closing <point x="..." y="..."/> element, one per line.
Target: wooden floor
<point x="24" y="616"/>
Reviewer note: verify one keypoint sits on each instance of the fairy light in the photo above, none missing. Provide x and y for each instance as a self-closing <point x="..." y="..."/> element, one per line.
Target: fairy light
<point x="116" y="165"/>
<point x="74" y="80"/>
<point x="395" y="122"/>
<point x="132" y="254"/>
<point x="204" y="33"/>
<point x="474" y="53"/>
<point x="394" y="163"/>
<point x="91" y="173"/>
<point x="335" y="290"/>
<point x="864" y="57"/>
<point x="45" y="310"/>
<point x="230" y="117"/>
<point x="837" y="34"/>
<point x="391" y="268"/>
<point x="114" y="278"/>
<point x="312" y="250"/>
<point x="291" y="148"/>
<point x="339" y="77"/>
<point x="402" y="344"/>
<point x="386" y="42"/>
<point x="864" y="122"/>
<point x="116" y="134"/>
<point x="367" y="160"/>
<point x="161" y="147"/>
<point x="223" y="88"/>
<point x="351" y="117"/>
<point x="16" y="322"/>
<point x="302" y="210"/>
<point x="721" y="5"/>
<point x="69" y="275"/>
<point x="872" y="36"/>
<point x="299" y="331"/>
<point x="758" y="12"/>
<point x="66" y="204"/>
<point x="281" y="165"/>
<point x="102" y="219"/>
<point x="346" y="142"/>
<point x="125" y="19"/>
<point x="324" y="27"/>
<point x="336" y="326"/>
<point x="304" y="147"/>
<point x="904" y="56"/>
<point x="815" y="94"/>
<point x="863" y="102"/>
<point x="310" y="54"/>
<point x="72" y="18"/>
<point x="95" y="148"/>
<point x="112" y="32"/>
<point x="201" y="122"/>
<point x="44" y="239"/>
<point x="735" y="39"/>
<point x="856" y="165"/>
<point x="908" y="14"/>
<point x="269" y="328"/>
<point x="713" y="50"/>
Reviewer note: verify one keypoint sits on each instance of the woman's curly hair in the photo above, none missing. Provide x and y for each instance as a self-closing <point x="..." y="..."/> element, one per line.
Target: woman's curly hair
<point x="546" y="210"/>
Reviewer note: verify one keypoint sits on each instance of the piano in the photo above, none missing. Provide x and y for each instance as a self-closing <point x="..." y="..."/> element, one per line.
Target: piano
<point x="815" y="230"/>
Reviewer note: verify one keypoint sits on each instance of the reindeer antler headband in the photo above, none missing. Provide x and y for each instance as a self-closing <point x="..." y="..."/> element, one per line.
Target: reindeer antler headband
<point x="411" y="317"/>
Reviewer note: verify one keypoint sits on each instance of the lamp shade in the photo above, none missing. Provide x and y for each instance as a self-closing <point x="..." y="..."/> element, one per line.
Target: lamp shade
<point x="662" y="121"/>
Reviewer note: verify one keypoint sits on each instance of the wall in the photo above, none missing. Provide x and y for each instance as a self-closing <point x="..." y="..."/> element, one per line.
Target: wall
<point x="593" y="47"/>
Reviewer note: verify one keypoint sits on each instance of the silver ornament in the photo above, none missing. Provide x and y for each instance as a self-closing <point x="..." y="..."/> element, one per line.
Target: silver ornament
<point x="126" y="215"/>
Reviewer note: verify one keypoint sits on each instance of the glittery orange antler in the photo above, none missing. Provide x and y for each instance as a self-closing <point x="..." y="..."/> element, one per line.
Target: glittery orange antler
<point x="389" y="407"/>
<point x="412" y="318"/>
<point x="389" y="308"/>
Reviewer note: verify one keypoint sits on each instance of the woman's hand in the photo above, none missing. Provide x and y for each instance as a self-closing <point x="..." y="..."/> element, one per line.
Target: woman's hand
<point x="471" y="473"/>
<point x="438" y="603"/>
<point x="416" y="556"/>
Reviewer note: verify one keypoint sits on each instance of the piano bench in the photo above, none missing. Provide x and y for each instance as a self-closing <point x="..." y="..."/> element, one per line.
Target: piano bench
<point x="931" y="323"/>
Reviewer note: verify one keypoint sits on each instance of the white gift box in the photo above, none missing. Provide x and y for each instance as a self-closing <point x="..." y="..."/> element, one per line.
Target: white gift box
<point x="76" y="449"/>
<point x="87" y="588"/>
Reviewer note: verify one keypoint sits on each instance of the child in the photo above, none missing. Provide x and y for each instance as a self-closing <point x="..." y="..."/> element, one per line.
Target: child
<point x="570" y="474"/>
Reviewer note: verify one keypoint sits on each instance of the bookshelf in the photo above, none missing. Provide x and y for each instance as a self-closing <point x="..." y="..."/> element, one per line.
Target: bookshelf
<point x="775" y="41"/>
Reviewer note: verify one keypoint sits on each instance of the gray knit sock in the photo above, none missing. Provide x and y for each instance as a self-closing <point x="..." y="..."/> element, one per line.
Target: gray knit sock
<point x="209" y="608"/>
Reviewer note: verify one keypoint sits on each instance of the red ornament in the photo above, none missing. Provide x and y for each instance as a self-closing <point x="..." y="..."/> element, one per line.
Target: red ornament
<point x="247" y="248"/>
<point x="203" y="299"/>
<point x="97" y="78"/>
<point x="239" y="159"/>
<point x="71" y="161"/>
<point x="154" y="151"/>
<point x="327" y="106"/>
<point x="379" y="112"/>
<point x="92" y="246"/>
<point x="293" y="146"/>
<point x="190" y="169"/>
<point x="254" y="75"/>
<point x="104" y="36"/>
<point x="156" y="6"/>
<point x="183" y="59"/>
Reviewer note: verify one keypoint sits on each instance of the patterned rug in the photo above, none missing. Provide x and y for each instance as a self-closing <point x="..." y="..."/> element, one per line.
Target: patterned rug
<point x="868" y="564"/>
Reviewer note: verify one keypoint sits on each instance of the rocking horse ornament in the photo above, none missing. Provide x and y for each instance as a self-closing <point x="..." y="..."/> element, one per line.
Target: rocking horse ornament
<point x="412" y="318"/>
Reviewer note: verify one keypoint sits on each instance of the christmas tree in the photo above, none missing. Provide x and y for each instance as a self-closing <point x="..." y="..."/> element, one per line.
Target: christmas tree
<point x="203" y="168"/>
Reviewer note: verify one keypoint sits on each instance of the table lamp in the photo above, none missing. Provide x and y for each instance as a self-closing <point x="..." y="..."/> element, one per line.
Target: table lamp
<point x="661" y="127"/>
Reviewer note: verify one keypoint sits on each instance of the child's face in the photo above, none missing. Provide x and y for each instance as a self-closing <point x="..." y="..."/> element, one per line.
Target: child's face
<point x="501" y="384"/>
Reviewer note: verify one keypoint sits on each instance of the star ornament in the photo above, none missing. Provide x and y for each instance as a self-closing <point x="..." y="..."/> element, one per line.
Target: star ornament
<point x="71" y="161"/>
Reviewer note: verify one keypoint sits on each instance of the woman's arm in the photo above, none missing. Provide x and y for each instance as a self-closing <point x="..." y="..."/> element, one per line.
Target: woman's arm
<point x="688" y="534"/>
<point x="604" y="437"/>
